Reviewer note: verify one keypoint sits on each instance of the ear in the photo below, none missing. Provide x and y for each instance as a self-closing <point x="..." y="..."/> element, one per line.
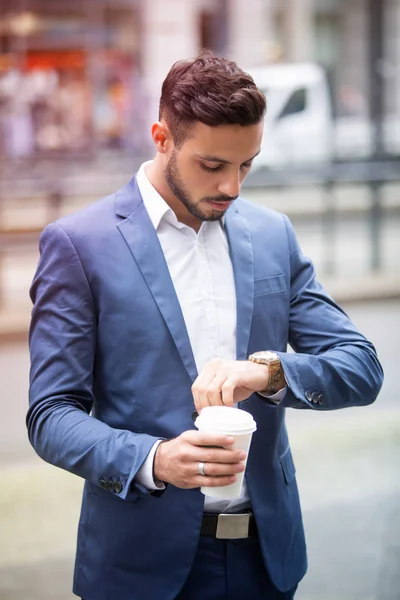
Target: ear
<point x="161" y="136"/>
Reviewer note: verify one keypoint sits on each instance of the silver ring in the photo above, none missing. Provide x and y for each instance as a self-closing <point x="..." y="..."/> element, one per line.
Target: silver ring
<point x="201" y="468"/>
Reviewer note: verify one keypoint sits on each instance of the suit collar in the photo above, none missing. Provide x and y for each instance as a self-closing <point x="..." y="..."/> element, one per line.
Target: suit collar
<point x="241" y="252"/>
<point x="140" y="190"/>
<point x="128" y="199"/>
<point x="143" y="242"/>
<point x="141" y="237"/>
<point x="155" y="204"/>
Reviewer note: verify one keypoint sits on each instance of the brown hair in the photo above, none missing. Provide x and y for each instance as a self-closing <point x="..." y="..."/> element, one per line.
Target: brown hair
<point x="209" y="89"/>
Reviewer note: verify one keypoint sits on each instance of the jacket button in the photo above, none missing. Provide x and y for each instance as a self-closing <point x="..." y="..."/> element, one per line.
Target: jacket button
<point x="315" y="397"/>
<point x="118" y="487"/>
<point x="110" y="485"/>
<point x="308" y="396"/>
<point x="320" y="399"/>
<point x="103" y="483"/>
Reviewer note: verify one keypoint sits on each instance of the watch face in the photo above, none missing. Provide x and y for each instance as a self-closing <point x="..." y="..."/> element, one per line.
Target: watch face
<point x="266" y="355"/>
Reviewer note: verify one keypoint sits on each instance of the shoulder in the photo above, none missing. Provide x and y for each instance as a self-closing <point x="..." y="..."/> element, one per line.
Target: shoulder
<point x="102" y="217"/>
<point x="259" y="217"/>
<point x="98" y="220"/>
<point x="86" y="232"/>
<point x="90" y="219"/>
<point x="268" y="228"/>
<point x="256" y="211"/>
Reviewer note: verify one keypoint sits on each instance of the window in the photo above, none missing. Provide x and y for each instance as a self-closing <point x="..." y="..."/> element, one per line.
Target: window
<point x="295" y="104"/>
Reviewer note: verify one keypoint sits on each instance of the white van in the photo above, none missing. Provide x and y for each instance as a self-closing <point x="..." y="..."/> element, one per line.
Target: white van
<point x="298" y="124"/>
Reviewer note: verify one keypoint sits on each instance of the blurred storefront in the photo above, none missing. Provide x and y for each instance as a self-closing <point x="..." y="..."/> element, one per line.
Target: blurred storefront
<point x="79" y="75"/>
<point x="82" y="75"/>
<point x="69" y="75"/>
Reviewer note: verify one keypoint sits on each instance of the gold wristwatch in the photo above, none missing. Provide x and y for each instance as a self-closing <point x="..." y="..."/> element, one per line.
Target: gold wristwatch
<point x="266" y="357"/>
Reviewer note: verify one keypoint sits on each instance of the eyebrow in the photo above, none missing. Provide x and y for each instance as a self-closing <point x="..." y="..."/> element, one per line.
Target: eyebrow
<point x="210" y="158"/>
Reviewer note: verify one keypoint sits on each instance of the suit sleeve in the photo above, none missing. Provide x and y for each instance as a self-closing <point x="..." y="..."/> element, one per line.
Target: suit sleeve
<point x="333" y="366"/>
<point x="62" y="346"/>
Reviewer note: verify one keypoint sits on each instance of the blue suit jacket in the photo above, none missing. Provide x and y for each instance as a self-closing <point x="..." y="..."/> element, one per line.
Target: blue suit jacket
<point x="108" y="338"/>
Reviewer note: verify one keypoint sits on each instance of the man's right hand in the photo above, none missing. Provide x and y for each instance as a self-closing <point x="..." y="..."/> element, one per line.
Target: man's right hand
<point x="177" y="461"/>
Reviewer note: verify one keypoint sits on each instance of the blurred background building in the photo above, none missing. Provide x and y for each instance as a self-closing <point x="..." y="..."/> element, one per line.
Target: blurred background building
<point x="84" y="74"/>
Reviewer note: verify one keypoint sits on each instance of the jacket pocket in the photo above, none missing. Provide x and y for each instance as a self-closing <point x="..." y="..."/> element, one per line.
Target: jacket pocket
<point x="269" y="285"/>
<point x="287" y="464"/>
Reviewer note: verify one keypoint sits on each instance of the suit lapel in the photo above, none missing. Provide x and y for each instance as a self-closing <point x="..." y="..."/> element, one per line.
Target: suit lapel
<point x="142" y="239"/>
<point x="241" y="252"/>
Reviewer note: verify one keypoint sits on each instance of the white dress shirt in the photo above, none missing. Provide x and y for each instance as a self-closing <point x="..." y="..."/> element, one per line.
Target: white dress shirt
<point x="202" y="274"/>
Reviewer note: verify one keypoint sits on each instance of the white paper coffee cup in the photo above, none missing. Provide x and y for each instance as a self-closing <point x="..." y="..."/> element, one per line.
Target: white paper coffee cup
<point x="229" y="421"/>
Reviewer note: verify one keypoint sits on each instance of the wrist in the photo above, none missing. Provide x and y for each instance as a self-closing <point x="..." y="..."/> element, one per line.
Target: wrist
<point x="158" y="471"/>
<point x="264" y="377"/>
<point x="276" y="378"/>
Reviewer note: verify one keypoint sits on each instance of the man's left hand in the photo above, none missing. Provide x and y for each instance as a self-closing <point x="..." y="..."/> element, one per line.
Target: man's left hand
<point x="225" y="382"/>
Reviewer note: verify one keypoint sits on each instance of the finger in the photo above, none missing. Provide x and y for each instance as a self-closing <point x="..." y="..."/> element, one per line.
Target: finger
<point x="221" y="469"/>
<point x="213" y="391"/>
<point x="206" y="375"/>
<point x="219" y="455"/>
<point x="200" y="400"/>
<point x="204" y="481"/>
<point x="203" y="438"/>
<point x="203" y="382"/>
<point x="228" y="390"/>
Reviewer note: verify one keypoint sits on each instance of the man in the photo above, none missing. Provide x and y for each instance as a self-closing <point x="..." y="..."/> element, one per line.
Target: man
<point x="147" y="306"/>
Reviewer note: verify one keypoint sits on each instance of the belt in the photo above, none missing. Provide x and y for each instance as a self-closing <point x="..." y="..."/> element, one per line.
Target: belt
<point x="229" y="526"/>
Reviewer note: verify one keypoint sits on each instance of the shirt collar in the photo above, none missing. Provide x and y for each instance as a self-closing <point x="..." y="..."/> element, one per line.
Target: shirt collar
<point x="154" y="203"/>
<point x="156" y="206"/>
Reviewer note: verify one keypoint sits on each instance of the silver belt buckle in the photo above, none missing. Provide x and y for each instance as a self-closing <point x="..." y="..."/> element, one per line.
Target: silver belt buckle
<point x="233" y="527"/>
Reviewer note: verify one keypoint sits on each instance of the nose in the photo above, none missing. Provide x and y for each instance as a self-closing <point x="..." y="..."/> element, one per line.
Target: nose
<point x="230" y="186"/>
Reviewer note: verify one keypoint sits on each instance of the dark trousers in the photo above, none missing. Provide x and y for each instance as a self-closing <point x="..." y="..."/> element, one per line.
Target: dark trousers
<point x="230" y="570"/>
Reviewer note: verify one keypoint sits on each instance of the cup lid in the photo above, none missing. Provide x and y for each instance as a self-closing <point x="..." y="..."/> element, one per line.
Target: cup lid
<point x="225" y="419"/>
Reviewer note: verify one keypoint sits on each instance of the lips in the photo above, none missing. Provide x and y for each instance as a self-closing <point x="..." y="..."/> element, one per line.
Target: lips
<point x="221" y="205"/>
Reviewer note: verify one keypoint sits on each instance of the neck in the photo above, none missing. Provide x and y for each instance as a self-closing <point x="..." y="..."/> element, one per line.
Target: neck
<point x="155" y="174"/>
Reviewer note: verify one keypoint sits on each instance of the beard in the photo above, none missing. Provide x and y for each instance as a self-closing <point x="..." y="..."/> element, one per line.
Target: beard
<point x="177" y="187"/>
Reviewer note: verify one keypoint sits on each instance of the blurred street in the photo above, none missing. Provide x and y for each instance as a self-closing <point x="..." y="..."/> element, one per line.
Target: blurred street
<point x="347" y="469"/>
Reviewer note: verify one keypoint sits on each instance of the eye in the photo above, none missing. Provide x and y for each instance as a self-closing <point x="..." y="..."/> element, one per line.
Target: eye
<point x="245" y="166"/>
<point x="211" y="169"/>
